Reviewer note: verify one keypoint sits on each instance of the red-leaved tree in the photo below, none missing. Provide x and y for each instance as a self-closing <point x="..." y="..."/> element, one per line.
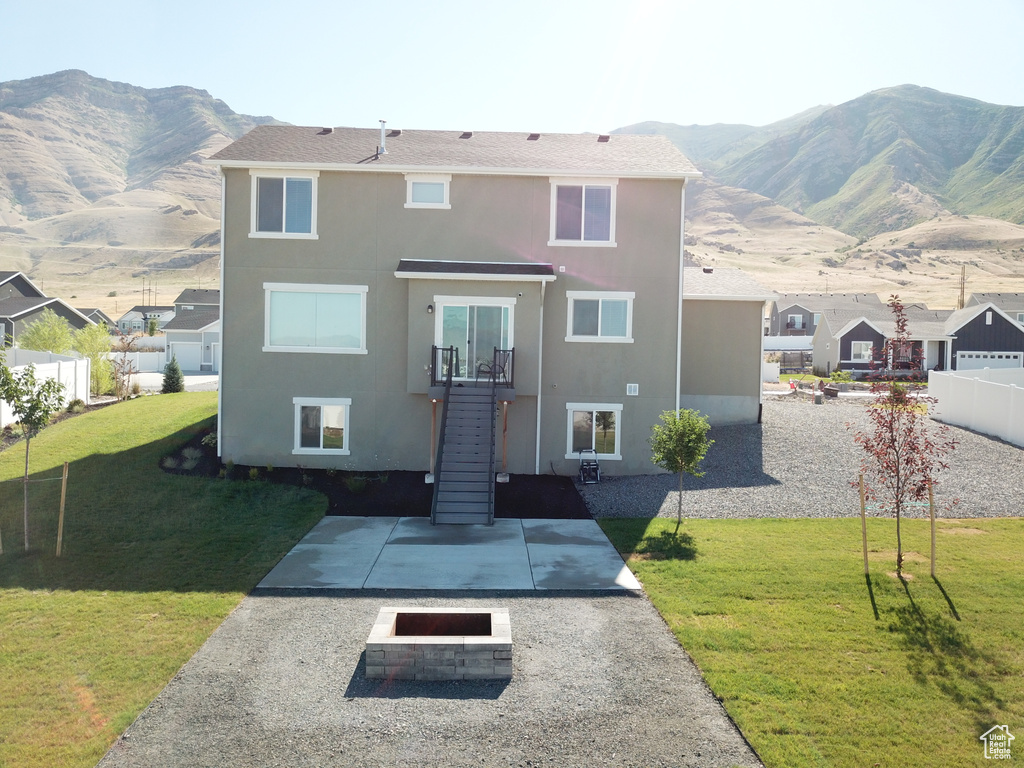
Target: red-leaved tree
<point x="902" y="453"/>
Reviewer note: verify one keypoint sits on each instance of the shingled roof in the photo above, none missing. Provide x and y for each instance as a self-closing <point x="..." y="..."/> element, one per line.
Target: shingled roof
<point x="619" y="155"/>
<point x="723" y="283"/>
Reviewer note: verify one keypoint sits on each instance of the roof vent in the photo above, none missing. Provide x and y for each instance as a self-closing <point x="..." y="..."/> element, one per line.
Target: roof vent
<point x="394" y="132"/>
<point x="325" y="131"/>
<point x="533" y="137"/>
<point x="383" y="148"/>
<point x="466" y="135"/>
<point x="708" y="270"/>
<point x="603" y="138"/>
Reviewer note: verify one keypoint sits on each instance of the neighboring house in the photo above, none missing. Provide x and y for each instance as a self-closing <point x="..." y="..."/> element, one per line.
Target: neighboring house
<point x="193" y="335"/>
<point x="353" y="259"/>
<point x="136" y="319"/>
<point x="851" y="340"/>
<point x="17" y="285"/>
<point x="17" y="312"/>
<point x="798" y="314"/>
<point x="1012" y="304"/>
<point x="99" y="317"/>
<point x="984" y="336"/>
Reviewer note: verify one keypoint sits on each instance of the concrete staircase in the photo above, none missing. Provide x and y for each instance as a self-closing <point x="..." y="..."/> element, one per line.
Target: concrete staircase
<point x="464" y="484"/>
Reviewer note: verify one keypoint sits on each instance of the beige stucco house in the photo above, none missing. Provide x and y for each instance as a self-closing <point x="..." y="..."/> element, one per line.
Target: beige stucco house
<point x="351" y="257"/>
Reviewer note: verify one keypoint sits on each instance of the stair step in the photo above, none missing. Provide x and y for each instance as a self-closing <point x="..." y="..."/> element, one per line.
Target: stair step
<point x="464" y="486"/>
<point x="463" y="496"/>
<point x="450" y="518"/>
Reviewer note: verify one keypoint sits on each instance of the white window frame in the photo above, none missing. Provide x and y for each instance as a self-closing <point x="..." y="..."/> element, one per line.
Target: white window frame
<point x="428" y="178"/>
<point x="817" y="319"/>
<point x="627" y="296"/>
<point x="1020" y="318"/>
<point x="797" y="321"/>
<point x="853" y="356"/>
<point x="256" y="174"/>
<point x="269" y="288"/>
<point x="615" y="407"/>
<point x="298" y="403"/>
<point x="582" y="182"/>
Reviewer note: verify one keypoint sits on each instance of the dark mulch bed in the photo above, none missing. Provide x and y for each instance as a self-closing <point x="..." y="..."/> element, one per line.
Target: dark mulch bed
<point x="391" y="494"/>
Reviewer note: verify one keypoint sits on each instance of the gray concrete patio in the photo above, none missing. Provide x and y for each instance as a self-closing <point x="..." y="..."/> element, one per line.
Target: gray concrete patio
<point x="410" y="553"/>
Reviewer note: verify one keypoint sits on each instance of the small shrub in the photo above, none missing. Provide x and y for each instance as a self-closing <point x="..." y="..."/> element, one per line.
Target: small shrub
<point x="840" y="377"/>
<point x="331" y="472"/>
<point x="169" y="462"/>
<point x="189" y="464"/>
<point x="76" y="406"/>
<point x="306" y="479"/>
<point x="136" y="387"/>
<point x="383" y="478"/>
<point x="112" y="294"/>
<point x="254" y="473"/>
<point x="355" y="483"/>
<point x="270" y="468"/>
<point x="222" y="474"/>
<point x="192" y="453"/>
<point x="229" y="470"/>
<point x="210" y="441"/>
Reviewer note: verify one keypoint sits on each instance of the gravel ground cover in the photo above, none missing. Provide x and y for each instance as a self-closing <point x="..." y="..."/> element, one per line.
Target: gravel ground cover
<point x="597" y="681"/>
<point x="800" y="462"/>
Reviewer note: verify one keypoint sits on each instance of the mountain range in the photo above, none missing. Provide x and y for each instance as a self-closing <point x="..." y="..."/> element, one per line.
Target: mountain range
<point x="102" y="183"/>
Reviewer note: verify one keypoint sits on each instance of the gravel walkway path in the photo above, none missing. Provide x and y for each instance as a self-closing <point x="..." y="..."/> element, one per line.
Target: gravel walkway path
<point x="800" y="462"/>
<point x="597" y="681"/>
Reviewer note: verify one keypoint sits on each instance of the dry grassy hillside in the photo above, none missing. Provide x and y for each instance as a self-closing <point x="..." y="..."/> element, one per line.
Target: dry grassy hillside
<point x="789" y="253"/>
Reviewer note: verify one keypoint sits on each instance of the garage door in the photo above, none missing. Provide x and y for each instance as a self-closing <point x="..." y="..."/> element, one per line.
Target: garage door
<point x="973" y="361"/>
<point x="189" y="355"/>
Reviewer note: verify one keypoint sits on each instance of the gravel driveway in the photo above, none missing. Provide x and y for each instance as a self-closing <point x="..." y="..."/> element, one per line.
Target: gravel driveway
<point x="597" y="681"/>
<point x="800" y="462"/>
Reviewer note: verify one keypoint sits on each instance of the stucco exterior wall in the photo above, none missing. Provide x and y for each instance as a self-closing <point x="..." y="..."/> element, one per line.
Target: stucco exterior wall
<point x="364" y="230"/>
<point x="721" y="371"/>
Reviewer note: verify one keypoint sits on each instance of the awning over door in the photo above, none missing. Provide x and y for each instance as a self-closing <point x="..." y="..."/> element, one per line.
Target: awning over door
<point x="429" y="269"/>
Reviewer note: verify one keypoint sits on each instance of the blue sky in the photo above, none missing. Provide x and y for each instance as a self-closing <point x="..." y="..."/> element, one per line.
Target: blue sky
<point x="521" y="65"/>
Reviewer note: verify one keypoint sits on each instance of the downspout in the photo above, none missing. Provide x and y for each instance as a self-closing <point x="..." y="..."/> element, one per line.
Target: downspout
<point x="679" y="302"/>
<point x="220" y="367"/>
<point x="540" y="370"/>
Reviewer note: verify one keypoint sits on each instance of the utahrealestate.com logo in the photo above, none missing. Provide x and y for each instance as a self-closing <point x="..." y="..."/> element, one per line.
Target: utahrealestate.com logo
<point x="997" y="742"/>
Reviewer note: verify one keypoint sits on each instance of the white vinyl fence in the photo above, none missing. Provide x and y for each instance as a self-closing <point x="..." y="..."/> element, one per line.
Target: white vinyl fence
<point x="144" y="362"/>
<point x="69" y="371"/>
<point x="990" y="401"/>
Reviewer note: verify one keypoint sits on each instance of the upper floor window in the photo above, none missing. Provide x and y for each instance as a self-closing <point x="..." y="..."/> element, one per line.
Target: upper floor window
<point x="425" y="190"/>
<point x="796" y="322"/>
<point x="600" y="316"/>
<point x="582" y="213"/>
<point x="315" y="318"/>
<point x="283" y="204"/>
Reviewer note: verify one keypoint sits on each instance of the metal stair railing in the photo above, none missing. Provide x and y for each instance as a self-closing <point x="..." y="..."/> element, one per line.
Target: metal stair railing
<point x="452" y="353"/>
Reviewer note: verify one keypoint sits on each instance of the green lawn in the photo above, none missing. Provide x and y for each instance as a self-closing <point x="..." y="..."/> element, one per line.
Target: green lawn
<point x="819" y="668"/>
<point x="152" y="563"/>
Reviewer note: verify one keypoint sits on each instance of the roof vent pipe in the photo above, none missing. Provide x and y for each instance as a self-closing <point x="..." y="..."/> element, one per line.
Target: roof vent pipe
<point x="383" y="131"/>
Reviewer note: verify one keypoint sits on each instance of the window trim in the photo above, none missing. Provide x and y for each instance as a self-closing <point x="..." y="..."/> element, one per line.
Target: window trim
<point x="860" y="359"/>
<point x="428" y="178"/>
<point x="269" y="288"/>
<point x="599" y="296"/>
<point x="798" y="322"/>
<point x="557" y="182"/>
<point x="255" y="175"/>
<point x="298" y="403"/>
<point x="616" y="407"/>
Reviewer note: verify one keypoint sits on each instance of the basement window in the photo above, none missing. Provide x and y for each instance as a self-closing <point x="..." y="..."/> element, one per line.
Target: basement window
<point x="321" y="425"/>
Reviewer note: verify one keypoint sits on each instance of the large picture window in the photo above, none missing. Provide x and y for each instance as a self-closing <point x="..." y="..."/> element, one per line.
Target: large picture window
<point x="321" y="425"/>
<point x="582" y="213"/>
<point x="315" y="318"/>
<point x="600" y="316"/>
<point x="283" y="205"/>
<point x="593" y="426"/>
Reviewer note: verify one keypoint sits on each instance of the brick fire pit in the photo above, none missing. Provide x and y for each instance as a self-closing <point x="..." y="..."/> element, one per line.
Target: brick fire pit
<point x="440" y="644"/>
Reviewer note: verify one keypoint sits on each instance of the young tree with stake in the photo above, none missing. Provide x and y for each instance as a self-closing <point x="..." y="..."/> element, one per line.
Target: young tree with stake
<point x="33" y="404"/>
<point x="901" y="454"/>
